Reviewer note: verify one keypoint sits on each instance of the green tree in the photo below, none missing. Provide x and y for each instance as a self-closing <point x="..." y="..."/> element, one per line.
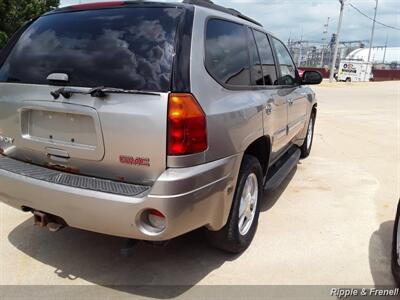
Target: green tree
<point x="14" y="13"/>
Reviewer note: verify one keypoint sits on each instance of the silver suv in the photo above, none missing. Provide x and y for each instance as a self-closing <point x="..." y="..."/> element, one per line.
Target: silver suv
<point x="148" y="120"/>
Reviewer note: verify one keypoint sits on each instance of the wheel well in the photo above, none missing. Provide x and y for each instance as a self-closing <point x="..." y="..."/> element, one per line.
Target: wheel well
<point x="314" y="109"/>
<point x="260" y="149"/>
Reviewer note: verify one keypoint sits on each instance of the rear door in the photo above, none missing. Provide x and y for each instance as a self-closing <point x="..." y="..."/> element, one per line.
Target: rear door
<point x="120" y="136"/>
<point x="275" y="109"/>
<point x="295" y="94"/>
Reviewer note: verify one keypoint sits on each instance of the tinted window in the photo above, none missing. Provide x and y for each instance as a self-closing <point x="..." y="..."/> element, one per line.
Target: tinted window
<point x="123" y="48"/>
<point x="286" y="65"/>
<point x="267" y="59"/>
<point x="227" y="56"/>
<point x="256" y="71"/>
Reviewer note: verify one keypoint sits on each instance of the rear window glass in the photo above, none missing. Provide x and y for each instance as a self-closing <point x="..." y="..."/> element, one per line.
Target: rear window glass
<point x="227" y="57"/>
<point x="256" y="70"/>
<point x="129" y="48"/>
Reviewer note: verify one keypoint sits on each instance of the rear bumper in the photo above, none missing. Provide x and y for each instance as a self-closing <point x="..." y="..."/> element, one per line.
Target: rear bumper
<point x="189" y="198"/>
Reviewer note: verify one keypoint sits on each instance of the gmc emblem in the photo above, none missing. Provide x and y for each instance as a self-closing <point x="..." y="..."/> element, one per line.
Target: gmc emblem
<point x="7" y="140"/>
<point x="134" y="161"/>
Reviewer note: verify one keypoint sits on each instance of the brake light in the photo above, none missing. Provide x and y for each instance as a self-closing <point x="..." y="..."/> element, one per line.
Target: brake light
<point x="97" y="5"/>
<point x="187" y="128"/>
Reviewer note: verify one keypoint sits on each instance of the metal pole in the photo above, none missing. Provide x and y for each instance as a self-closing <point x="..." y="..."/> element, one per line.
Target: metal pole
<point x="322" y="57"/>
<point x="384" y="53"/>
<point x="373" y="32"/>
<point x="300" y="48"/>
<point x="324" y="34"/>
<point x="335" y="51"/>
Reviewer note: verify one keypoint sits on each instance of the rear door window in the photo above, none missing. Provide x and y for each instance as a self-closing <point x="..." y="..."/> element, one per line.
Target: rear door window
<point x="256" y="70"/>
<point x="267" y="58"/>
<point x="227" y="57"/>
<point x="129" y="48"/>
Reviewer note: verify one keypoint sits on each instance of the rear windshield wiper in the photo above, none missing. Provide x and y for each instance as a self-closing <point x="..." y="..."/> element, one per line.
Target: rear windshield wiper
<point x="99" y="92"/>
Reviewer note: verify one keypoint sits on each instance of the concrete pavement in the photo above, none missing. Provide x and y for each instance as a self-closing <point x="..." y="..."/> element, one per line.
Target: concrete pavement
<point x="330" y="223"/>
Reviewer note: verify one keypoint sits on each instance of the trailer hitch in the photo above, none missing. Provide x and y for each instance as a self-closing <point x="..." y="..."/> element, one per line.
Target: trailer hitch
<point x="52" y="223"/>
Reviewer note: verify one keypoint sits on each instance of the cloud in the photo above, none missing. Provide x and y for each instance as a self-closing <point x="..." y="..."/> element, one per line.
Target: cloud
<point x="112" y="53"/>
<point x="306" y="18"/>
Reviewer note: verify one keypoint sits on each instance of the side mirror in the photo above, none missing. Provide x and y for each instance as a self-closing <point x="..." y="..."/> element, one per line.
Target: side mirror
<point x="311" y="77"/>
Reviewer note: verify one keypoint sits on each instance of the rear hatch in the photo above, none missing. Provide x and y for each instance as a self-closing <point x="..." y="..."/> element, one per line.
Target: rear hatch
<point x="120" y="135"/>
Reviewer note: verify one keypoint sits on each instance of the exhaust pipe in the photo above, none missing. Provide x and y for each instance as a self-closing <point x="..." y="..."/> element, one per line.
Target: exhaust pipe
<point x="52" y="223"/>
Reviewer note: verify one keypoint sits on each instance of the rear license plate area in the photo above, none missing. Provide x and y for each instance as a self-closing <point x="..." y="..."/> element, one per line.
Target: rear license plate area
<point x="69" y="128"/>
<point x="60" y="128"/>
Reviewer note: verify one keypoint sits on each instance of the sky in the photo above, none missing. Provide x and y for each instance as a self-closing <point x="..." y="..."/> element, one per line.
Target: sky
<point x="305" y="19"/>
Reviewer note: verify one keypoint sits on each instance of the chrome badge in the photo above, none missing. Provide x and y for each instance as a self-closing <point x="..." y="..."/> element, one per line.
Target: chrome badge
<point x="134" y="161"/>
<point x="6" y="140"/>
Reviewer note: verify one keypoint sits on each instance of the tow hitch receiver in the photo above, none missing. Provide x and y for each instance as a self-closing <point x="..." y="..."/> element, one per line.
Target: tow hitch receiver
<point x="52" y="223"/>
<point x="40" y="219"/>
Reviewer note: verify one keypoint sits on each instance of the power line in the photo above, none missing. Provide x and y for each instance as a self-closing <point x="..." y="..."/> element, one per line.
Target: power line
<point x="365" y="15"/>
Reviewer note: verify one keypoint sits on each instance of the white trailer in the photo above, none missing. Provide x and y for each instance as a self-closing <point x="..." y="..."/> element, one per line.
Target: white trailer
<point x="354" y="71"/>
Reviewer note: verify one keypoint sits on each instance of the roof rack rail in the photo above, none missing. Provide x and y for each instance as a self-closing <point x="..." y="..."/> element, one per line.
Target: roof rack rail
<point x="212" y="5"/>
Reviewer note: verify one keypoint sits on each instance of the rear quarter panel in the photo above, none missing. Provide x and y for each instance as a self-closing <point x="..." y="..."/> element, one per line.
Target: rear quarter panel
<point x="234" y="118"/>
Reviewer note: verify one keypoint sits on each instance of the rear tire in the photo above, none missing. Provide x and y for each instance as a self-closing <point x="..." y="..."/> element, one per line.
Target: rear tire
<point x="307" y="145"/>
<point x="236" y="235"/>
<point x="348" y="79"/>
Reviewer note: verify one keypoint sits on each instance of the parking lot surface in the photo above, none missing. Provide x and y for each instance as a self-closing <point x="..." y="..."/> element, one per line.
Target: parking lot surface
<point x="329" y="223"/>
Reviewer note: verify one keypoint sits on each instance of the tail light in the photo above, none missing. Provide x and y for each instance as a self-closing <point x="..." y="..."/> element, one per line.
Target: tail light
<point x="187" y="128"/>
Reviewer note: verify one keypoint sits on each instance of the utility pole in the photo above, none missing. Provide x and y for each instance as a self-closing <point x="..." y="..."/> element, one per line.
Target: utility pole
<point x="373" y="32"/>
<point x="372" y="37"/>
<point x="300" y="48"/>
<point x="324" y="39"/>
<point x="384" y="53"/>
<point x="335" y="51"/>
